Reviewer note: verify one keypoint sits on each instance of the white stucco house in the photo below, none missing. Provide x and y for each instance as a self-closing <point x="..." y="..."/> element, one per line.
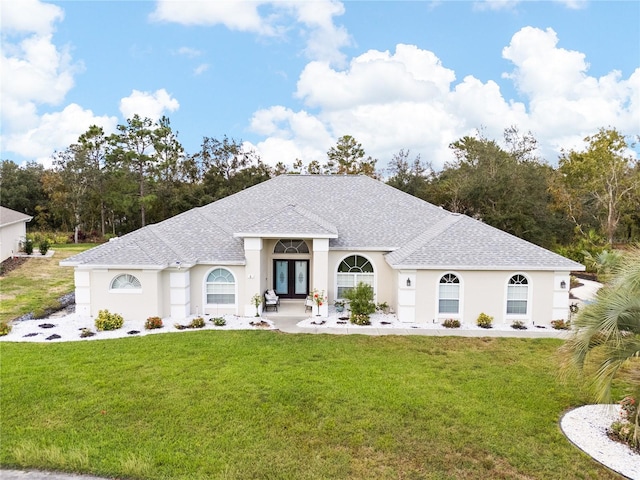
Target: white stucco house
<point x="13" y="231"/>
<point x="297" y="233"/>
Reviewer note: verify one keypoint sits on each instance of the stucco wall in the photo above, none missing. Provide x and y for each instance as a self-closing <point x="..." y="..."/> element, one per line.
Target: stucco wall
<point x="10" y="236"/>
<point x="486" y="291"/>
<point x="133" y="304"/>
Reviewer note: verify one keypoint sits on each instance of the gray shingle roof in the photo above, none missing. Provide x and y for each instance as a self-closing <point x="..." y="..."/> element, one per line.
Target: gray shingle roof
<point x="354" y="212"/>
<point x="9" y="217"/>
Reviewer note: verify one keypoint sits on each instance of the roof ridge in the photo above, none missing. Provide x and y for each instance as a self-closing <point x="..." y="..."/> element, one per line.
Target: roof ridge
<point x="425" y="237"/>
<point x="314" y="217"/>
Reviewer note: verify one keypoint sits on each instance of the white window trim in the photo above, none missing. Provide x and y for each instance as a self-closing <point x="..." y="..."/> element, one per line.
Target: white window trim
<point x="351" y="254"/>
<point x="126" y="291"/>
<point x="460" y="314"/>
<point x="235" y="289"/>
<point x="526" y="317"/>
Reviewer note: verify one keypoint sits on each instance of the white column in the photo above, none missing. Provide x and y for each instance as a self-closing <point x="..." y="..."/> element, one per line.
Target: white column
<point x="180" y="294"/>
<point x="82" y="280"/>
<point x="252" y="278"/>
<point x="407" y="295"/>
<point x="320" y="280"/>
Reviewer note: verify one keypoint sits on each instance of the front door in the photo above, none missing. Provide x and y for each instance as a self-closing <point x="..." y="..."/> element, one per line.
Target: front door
<point x="291" y="278"/>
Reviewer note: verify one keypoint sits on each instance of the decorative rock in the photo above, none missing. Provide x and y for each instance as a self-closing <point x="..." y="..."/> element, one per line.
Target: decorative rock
<point x="133" y="332"/>
<point x="46" y="325"/>
<point x="55" y="336"/>
<point x="31" y="334"/>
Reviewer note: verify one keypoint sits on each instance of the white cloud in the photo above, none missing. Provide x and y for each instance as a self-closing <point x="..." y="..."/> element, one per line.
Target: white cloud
<point x="312" y="20"/>
<point x="148" y="104"/>
<point x="408" y="100"/>
<point x="200" y="69"/>
<point x="188" y="52"/>
<point x="29" y="16"/>
<point x="56" y="131"/>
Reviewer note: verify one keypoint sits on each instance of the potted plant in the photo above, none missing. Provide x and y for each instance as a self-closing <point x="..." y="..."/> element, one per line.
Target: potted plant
<point x="339" y="304"/>
<point x="257" y="300"/>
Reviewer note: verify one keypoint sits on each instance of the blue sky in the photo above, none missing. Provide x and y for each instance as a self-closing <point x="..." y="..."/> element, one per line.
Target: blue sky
<point x="289" y="78"/>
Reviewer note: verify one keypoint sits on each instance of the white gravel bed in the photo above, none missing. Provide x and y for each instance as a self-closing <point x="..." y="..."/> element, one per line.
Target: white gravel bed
<point x="587" y="428"/>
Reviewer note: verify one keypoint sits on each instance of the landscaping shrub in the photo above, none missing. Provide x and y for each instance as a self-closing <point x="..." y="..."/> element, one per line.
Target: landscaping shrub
<point x="361" y="303"/>
<point x="5" y="328"/>
<point x="451" y="323"/>
<point x="560" y="324"/>
<point x="360" y="319"/>
<point x="484" y="320"/>
<point x="197" y="322"/>
<point x="108" y="321"/>
<point x="44" y="247"/>
<point x="153" y="323"/>
<point x="518" y="325"/>
<point x="219" y="321"/>
<point x="28" y="246"/>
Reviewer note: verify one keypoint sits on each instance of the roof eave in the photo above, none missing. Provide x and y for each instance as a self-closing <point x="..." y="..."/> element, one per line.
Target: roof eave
<point x="578" y="268"/>
<point x="285" y="235"/>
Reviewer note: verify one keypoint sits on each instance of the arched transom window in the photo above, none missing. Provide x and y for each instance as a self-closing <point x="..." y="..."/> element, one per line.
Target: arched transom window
<point x="291" y="246"/>
<point x="221" y="287"/>
<point x="351" y="271"/>
<point x="125" y="281"/>
<point x="517" y="295"/>
<point x="449" y="294"/>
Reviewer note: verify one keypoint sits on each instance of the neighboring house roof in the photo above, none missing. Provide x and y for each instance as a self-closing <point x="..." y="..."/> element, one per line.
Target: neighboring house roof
<point x="356" y="213"/>
<point x="9" y="217"/>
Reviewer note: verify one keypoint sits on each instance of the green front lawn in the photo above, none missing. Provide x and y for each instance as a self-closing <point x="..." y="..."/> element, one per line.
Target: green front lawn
<point x="262" y="404"/>
<point x="38" y="284"/>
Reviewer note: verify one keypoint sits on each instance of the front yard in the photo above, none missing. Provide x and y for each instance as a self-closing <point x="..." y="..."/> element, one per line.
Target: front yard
<point x="262" y="404"/>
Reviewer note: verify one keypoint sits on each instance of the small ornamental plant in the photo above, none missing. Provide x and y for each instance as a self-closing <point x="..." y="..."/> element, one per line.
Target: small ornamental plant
<point x="451" y="323"/>
<point x="5" y="328"/>
<point x="627" y="429"/>
<point x="484" y="321"/>
<point x="108" y="321"/>
<point x="560" y="324"/>
<point x="44" y="247"/>
<point x="28" y="246"/>
<point x="219" y="321"/>
<point x="360" y="319"/>
<point x="152" y="323"/>
<point x="518" y="325"/>
<point x="319" y="297"/>
<point x="257" y="301"/>
<point x="197" y="322"/>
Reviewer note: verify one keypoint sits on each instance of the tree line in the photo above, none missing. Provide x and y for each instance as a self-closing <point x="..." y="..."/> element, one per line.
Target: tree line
<point x="113" y="184"/>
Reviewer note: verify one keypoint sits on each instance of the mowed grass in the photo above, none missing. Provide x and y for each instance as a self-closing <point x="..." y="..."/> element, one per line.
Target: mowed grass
<point x="267" y="405"/>
<point x="38" y="284"/>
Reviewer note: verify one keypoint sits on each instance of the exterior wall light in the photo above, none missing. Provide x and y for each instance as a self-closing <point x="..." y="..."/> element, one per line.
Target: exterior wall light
<point x="408" y="282"/>
<point x="563" y="284"/>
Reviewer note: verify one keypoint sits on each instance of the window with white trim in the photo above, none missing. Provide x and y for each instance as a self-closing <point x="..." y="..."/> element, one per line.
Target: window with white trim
<point x="291" y="246"/>
<point x="351" y="271"/>
<point x="517" y="295"/>
<point x="125" y="281"/>
<point x="221" y="287"/>
<point x="449" y="294"/>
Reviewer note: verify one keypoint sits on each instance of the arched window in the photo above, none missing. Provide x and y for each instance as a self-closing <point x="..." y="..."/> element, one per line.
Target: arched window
<point x="291" y="246"/>
<point x="449" y="294"/>
<point x="221" y="287"/>
<point x="351" y="271"/>
<point x="517" y="295"/>
<point x="125" y="282"/>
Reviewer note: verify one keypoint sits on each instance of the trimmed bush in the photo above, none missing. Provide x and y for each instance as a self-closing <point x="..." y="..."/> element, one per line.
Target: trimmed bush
<point x="360" y="319"/>
<point x="361" y="303"/>
<point x="152" y="323"/>
<point x="28" y="246"/>
<point x="108" y="321"/>
<point x="484" y="320"/>
<point x="451" y="323"/>
<point x="560" y="324"/>
<point x="44" y="247"/>
<point x="5" y="328"/>
<point x="518" y="325"/>
<point x="197" y="322"/>
<point x="219" y="321"/>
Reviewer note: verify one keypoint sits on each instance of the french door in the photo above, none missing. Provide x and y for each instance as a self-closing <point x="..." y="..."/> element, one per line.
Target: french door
<point x="291" y="278"/>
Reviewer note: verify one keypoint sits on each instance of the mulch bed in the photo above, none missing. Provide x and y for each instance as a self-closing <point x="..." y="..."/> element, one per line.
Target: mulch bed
<point x="11" y="264"/>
